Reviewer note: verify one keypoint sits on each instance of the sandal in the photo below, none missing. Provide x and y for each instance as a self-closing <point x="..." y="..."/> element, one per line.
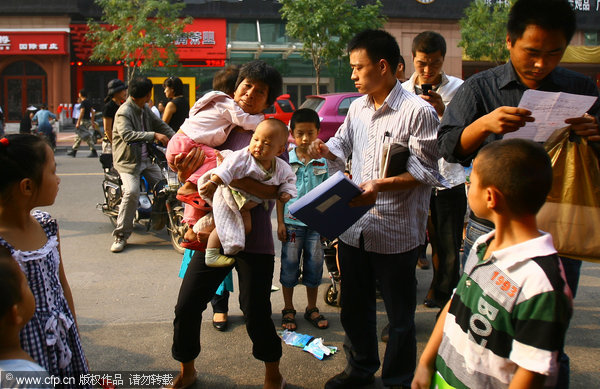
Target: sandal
<point x="288" y="320"/>
<point x="315" y="321"/>
<point x="193" y="245"/>
<point x="192" y="199"/>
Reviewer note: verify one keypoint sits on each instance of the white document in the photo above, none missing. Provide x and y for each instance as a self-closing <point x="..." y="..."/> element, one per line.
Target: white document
<point x="550" y="110"/>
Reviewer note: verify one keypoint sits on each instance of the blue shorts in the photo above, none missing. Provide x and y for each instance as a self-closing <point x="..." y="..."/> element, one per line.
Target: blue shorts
<point x="306" y="243"/>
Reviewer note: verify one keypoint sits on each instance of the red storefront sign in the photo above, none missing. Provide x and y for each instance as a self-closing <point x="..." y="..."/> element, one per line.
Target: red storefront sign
<point x="204" y="45"/>
<point x="33" y="42"/>
<point x="206" y="40"/>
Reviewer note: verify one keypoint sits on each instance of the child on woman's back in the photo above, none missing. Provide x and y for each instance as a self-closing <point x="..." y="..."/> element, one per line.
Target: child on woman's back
<point x="29" y="180"/>
<point x="16" y="308"/>
<point x="210" y="121"/>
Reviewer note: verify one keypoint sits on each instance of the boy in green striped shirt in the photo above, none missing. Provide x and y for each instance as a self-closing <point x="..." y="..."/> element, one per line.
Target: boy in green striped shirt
<point x="507" y="319"/>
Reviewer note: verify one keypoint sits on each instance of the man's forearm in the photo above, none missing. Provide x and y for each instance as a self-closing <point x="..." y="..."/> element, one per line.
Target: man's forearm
<point x="401" y="182"/>
<point x="470" y="140"/>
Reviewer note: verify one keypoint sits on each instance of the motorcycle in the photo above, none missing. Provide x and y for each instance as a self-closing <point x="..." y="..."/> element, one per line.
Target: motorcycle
<point x="157" y="206"/>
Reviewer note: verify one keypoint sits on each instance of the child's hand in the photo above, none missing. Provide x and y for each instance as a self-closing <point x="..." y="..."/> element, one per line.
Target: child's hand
<point x="219" y="157"/>
<point x="422" y="378"/>
<point x="281" y="232"/>
<point x="208" y="190"/>
<point x="284" y="197"/>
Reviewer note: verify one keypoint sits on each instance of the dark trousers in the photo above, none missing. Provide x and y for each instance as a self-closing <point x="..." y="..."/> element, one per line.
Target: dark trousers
<point x="220" y="302"/>
<point x="255" y="274"/>
<point x="359" y="270"/>
<point x="448" y="208"/>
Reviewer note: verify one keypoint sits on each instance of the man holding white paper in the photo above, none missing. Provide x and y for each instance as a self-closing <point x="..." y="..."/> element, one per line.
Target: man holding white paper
<point x="486" y="106"/>
<point x="382" y="245"/>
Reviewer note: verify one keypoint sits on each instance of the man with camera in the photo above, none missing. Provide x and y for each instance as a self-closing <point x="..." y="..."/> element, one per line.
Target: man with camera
<point x="447" y="205"/>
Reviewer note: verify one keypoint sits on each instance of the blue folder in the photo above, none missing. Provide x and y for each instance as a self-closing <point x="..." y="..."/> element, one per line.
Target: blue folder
<point x="325" y="209"/>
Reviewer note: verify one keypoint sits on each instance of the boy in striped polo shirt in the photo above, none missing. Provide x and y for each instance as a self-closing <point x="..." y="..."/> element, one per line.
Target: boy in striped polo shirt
<point x="507" y="319"/>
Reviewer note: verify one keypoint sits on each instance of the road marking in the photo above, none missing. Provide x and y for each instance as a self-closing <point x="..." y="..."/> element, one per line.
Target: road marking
<point x="80" y="174"/>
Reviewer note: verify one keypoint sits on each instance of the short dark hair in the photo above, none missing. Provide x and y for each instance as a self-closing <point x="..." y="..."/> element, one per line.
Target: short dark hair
<point x="258" y="70"/>
<point x="174" y="83"/>
<point x="279" y="126"/>
<point x="547" y="14"/>
<point x="401" y="60"/>
<point x="305" y="115"/>
<point x="224" y="80"/>
<point x="429" y="42"/>
<point x="83" y="93"/>
<point x="140" y="87"/>
<point x="10" y="282"/>
<point x="520" y="169"/>
<point x="23" y="156"/>
<point x="378" y="44"/>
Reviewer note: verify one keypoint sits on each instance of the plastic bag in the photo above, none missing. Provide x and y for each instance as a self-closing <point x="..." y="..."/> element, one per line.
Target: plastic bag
<point x="572" y="210"/>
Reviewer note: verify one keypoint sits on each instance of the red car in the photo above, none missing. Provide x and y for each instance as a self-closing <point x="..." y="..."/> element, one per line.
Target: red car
<point x="282" y="109"/>
<point x="332" y="109"/>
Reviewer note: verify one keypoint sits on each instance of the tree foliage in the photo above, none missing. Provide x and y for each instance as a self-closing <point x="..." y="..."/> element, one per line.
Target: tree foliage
<point x="326" y="26"/>
<point x="483" y="30"/>
<point x="141" y="33"/>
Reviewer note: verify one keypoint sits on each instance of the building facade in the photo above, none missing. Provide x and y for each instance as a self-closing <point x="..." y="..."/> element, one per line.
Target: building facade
<point x="44" y="57"/>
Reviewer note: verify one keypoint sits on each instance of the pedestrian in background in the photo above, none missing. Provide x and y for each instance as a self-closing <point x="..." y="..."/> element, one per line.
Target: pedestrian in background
<point x="25" y="124"/>
<point x="176" y="110"/>
<point x="117" y="93"/>
<point x="42" y="119"/>
<point x="448" y="205"/>
<point x="84" y="128"/>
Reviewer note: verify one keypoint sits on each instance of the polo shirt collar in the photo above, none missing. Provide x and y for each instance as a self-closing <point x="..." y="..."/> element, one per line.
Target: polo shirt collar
<point x="537" y="247"/>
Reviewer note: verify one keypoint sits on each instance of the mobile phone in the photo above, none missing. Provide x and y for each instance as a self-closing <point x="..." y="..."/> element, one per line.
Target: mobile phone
<point x="426" y="88"/>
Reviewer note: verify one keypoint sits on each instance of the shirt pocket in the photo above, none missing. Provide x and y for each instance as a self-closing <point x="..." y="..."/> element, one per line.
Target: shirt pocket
<point x="317" y="171"/>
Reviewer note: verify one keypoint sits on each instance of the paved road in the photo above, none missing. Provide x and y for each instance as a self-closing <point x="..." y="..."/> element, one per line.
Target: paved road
<point x="125" y="301"/>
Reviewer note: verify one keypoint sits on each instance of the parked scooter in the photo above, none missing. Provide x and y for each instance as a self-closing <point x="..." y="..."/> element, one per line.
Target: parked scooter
<point x="157" y="206"/>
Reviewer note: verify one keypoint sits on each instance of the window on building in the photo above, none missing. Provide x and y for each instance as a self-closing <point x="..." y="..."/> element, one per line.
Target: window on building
<point x="243" y="31"/>
<point x="591" y="38"/>
<point x="273" y="33"/>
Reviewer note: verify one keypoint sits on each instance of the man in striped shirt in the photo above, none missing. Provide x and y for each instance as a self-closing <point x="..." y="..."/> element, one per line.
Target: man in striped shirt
<point x="507" y="319"/>
<point x="382" y="244"/>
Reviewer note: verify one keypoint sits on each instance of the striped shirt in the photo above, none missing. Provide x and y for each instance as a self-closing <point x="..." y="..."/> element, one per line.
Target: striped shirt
<point x="396" y="223"/>
<point x="510" y="310"/>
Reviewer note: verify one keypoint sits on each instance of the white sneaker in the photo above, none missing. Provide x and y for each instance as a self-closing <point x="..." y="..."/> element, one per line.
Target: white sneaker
<point x="119" y="244"/>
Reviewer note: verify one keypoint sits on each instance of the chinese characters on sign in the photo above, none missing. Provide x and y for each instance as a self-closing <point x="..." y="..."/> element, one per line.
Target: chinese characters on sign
<point x="4" y="42"/>
<point x="33" y="42"/>
<point x="35" y="46"/>
<point x="584" y="5"/>
<point x="196" y="38"/>
<point x="5" y="45"/>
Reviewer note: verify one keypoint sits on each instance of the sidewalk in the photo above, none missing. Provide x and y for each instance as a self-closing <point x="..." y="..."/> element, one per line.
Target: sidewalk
<point x="64" y="138"/>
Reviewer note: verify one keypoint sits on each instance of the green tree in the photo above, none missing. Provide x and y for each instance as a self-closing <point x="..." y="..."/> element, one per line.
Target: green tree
<point x="141" y="33"/>
<point x="324" y="27"/>
<point x="483" y="30"/>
